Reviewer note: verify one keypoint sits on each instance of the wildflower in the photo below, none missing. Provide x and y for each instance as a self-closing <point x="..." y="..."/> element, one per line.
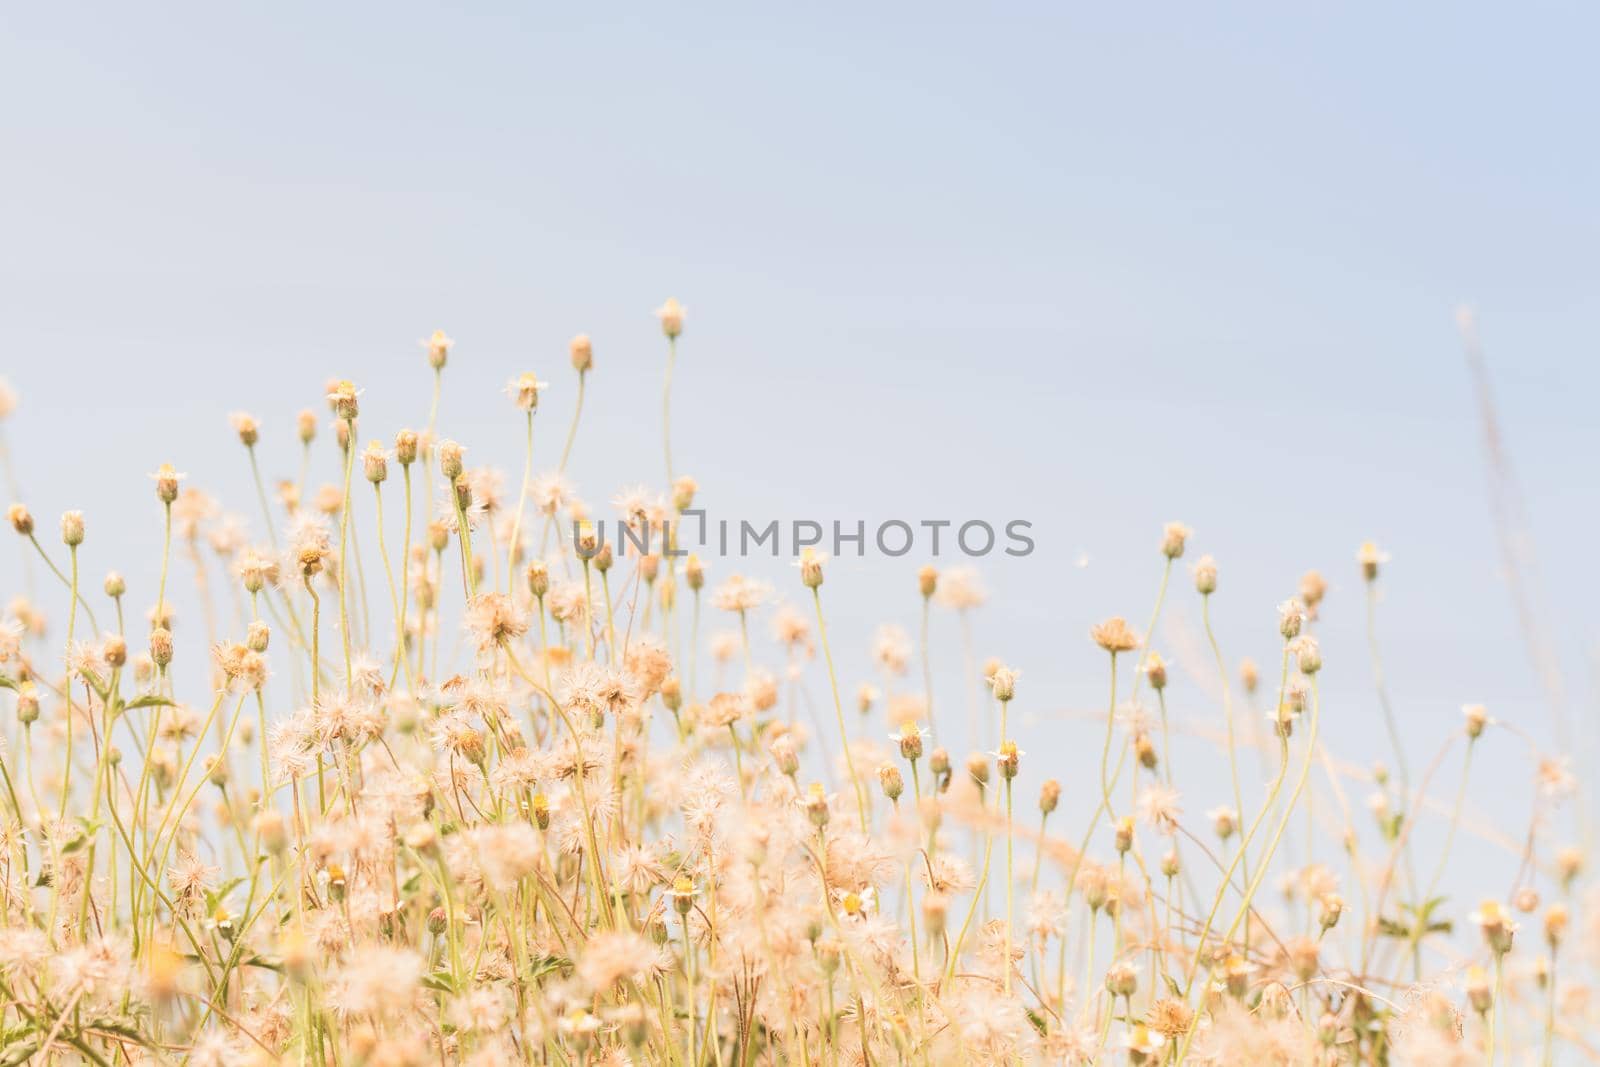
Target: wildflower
<point x="1122" y="979"/>
<point x="344" y="398"/>
<point x="438" y="346"/>
<point x="726" y="709"/>
<point x="524" y="390"/>
<point x="1370" y="559"/>
<point x="1313" y="587"/>
<point x="1158" y="806"/>
<point x="1224" y="821"/>
<point x="1498" y="929"/>
<point x="960" y="589"/>
<point x="167" y="480"/>
<point x="740" y="594"/>
<point x="1308" y="655"/>
<point x="1291" y="617"/>
<point x="1173" y="537"/>
<point x="1114" y="635"/>
<point x="1170" y="1018"/>
<point x="246" y="426"/>
<point x="581" y="351"/>
<point x="854" y="905"/>
<point x="810" y="564"/>
<point x="1249" y="674"/>
<point x="1555" y="778"/>
<point x="671" y="316"/>
<point x="1003" y="683"/>
<point x="493" y="619"/>
<point x="375" y="463"/>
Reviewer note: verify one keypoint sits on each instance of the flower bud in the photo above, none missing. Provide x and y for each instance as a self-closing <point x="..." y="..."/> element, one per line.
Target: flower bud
<point x="72" y="528"/>
<point x="978" y="768"/>
<point x="115" y="585"/>
<point x="450" y="463"/>
<point x="167" y="483"/>
<point x="1369" y="558"/>
<point x="438" y="346"/>
<point x="1249" y="675"/>
<point x="1291" y="617"/>
<point x="375" y="463"/>
<point x="1173" y="537"/>
<point x="683" y="491"/>
<point x="1155" y="669"/>
<point x="270" y="830"/>
<point x="1008" y="759"/>
<point x="1205" y="576"/>
<point x="21" y="521"/>
<point x="893" y="784"/>
<point x="1122" y="979"/>
<point x="1049" y="796"/>
<point x="671" y="316"/>
<point x="785" y="756"/>
<point x="258" y="636"/>
<point x="910" y="742"/>
<point x="816" y="805"/>
<point x="582" y="352"/>
<point x="342" y="397"/>
<point x="1003" y="682"/>
<point x="27" y="703"/>
<point x="1479" y="993"/>
<point x="1313" y="587"/>
<point x="161" y="646"/>
<point x="927" y="581"/>
<point x="1331" y="909"/>
<point x="1556" y="920"/>
<point x="246" y="426"/>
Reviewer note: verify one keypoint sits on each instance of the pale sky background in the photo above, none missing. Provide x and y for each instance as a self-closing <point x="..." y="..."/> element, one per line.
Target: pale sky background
<point x="1088" y="266"/>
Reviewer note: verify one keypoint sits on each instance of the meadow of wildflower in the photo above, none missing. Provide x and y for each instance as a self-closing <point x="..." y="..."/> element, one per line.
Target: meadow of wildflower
<point x="443" y="774"/>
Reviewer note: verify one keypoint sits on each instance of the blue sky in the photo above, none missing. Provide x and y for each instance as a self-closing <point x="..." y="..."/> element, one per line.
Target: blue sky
<point x="1090" y="266"/>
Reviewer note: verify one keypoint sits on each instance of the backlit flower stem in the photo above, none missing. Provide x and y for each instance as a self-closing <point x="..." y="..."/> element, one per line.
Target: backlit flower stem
<point x="838" y="708"/>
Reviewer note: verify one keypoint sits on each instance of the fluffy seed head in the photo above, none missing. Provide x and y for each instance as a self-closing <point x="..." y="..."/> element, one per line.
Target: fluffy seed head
<point x="1114" y="635"/>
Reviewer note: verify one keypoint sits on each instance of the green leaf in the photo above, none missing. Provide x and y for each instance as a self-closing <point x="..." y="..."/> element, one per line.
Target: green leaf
<point x="440" y="981"/>
<point x="20" y="1051"/>
<point x="151" y="701"/>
